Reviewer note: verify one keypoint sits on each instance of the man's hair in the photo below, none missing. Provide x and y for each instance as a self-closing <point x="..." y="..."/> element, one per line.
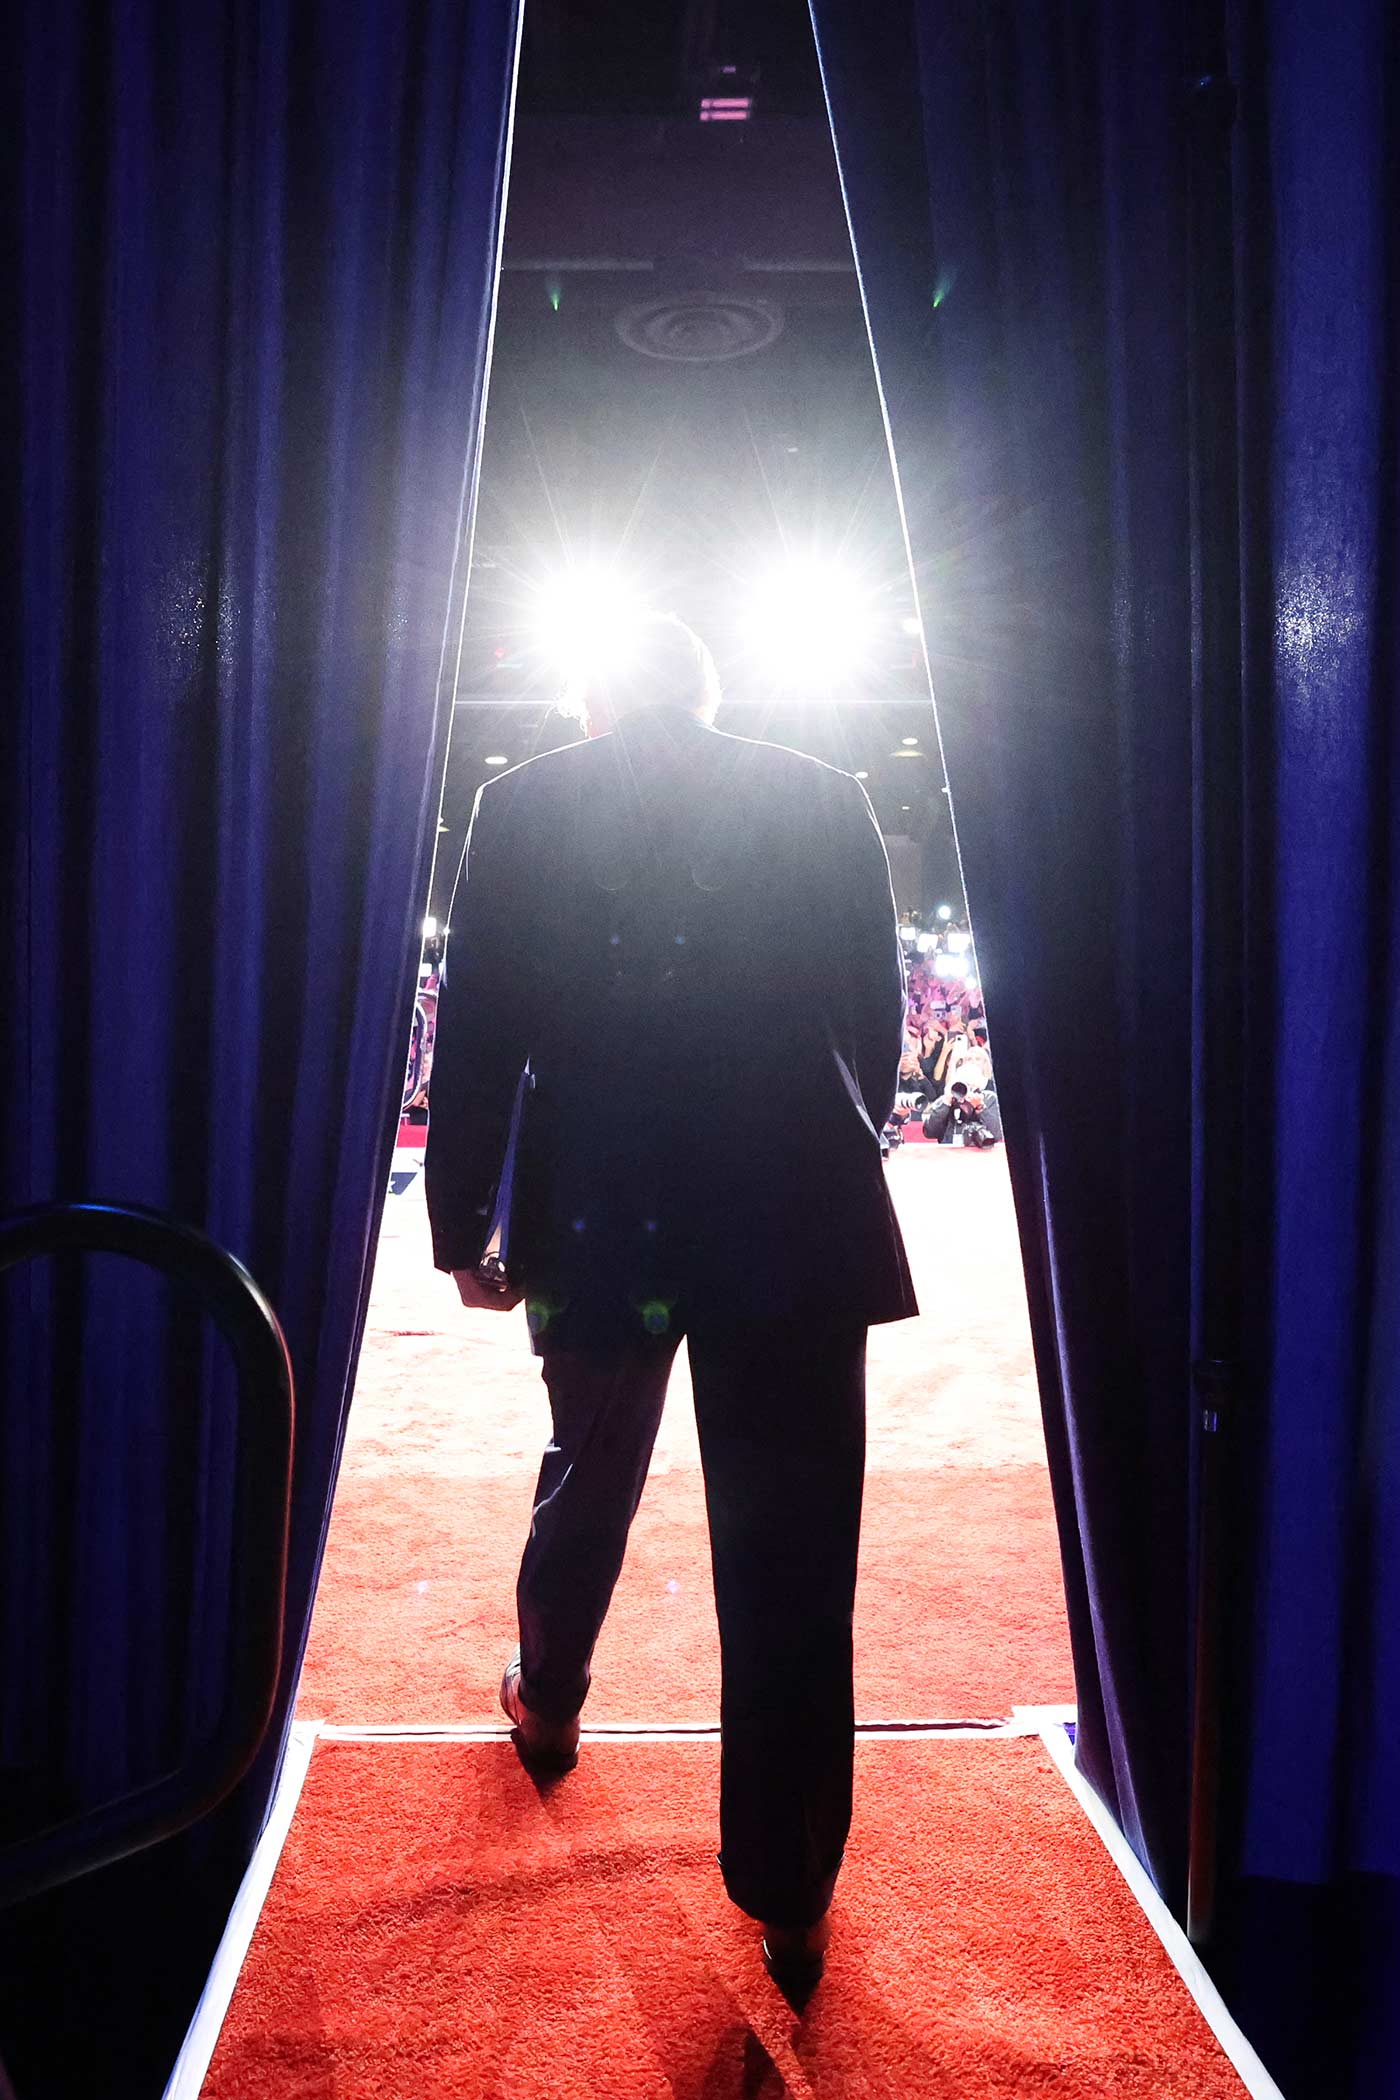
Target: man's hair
<point x="666" y="665"/>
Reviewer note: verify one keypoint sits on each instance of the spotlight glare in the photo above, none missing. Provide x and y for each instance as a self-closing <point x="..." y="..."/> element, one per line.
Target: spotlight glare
<point x="925" y="942"/>
<point x="910" y="625"/>
<point x="429" y="927"/>
<point x="946" y="966"/>
<point x="862" y="776"/>
<point x="810" y="623"/>
<point x="945" y="911"/>
<point x="909" y="740"/>
<point x="498" y="758"/>
<point x="584" y="621"/>
<point x="959" y="943"/>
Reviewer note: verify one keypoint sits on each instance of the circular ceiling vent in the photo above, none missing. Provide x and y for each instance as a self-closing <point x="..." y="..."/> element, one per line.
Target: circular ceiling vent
<point x="699" y="328"/>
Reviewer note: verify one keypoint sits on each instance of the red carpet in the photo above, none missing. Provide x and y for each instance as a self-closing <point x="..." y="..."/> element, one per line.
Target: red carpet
<point x="960" y="1608"/>
<point x="439" y="1930"/>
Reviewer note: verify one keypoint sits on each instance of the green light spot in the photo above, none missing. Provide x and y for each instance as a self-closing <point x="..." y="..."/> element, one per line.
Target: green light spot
<point x="538" y="1313"/>
<point x="556" y="293"/>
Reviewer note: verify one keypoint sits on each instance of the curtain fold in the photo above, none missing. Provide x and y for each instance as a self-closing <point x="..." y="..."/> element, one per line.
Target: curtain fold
<point x="252" y="253"/>
<point x="1313" y="1930"/>
<point x="1015" y="180"/>
<point x="1025" y="194"/>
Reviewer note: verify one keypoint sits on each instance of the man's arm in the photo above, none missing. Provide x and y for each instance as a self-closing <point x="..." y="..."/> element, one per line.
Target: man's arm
<point x="869" y="957"/>
<point x="482" y="1038"/>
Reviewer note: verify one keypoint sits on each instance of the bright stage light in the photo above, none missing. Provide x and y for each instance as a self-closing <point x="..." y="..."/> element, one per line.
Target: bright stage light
<point x="862" y="776"/>
<point x="945" y="911"/>
<point x="809" y="623"/>
<point x="946" y="966"/>
<point x="925" y="942"/>
<point x="908" y="933"/>
<point x="584" y="621"/>
<point x="910" y="624"/>
<point x="429" y="928"/>
<point x="959" y="943"/>
<point x="498" y="758"/>
<point x="909" y="740"/>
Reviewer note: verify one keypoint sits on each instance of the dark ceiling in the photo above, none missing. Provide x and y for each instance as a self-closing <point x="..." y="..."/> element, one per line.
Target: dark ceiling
<point x="682" y="386"/>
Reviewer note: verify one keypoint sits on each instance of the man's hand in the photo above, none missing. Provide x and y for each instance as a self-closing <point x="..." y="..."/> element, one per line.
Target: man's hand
<point x="478" y="1297"/>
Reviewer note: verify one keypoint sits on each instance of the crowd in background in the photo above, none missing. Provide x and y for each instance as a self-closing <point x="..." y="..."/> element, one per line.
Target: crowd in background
<point x="420" y="1046"/>
<point x="945" y="1070"/>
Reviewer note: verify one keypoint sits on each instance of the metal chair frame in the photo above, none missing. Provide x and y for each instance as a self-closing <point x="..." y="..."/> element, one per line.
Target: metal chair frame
<point x="261" y="1527"/>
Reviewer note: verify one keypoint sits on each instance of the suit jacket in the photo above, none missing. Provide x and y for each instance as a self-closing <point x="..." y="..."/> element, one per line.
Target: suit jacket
<point x="691" y="939"/>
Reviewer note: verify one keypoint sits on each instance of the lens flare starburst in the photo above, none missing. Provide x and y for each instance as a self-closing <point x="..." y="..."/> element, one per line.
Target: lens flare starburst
<point x="809" y="623"/>
<point x="583" y="621"/>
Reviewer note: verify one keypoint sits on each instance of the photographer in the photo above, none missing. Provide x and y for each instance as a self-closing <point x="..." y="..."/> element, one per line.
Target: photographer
<point x="956" y="1117"/>
<point x="912" y="1078"/>
<point x="935" y="1058"/>
<point x="970" y="1061"/>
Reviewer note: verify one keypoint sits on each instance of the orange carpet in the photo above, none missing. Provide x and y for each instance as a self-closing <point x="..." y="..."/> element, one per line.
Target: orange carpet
<point x="440" y="1927"/>
<point x="960" y="1610"/>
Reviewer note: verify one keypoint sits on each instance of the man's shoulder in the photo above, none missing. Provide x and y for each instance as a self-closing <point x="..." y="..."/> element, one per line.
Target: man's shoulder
<point x="539" y="775"/>
<point x="775" y="763"/>
<point x="752" y="774"/>
<point x="798" y="769"/>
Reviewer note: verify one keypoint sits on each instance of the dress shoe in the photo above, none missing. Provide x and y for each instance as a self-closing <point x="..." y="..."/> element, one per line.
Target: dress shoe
<point x="795" y="1955"/>
<point x="544" y="1746"/>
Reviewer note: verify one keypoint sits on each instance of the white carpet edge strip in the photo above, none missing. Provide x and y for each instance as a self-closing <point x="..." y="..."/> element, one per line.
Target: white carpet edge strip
<point x="201" y="2038"/>
<point x="1024" y="1721"/>
<point x="1249" y="2065"/>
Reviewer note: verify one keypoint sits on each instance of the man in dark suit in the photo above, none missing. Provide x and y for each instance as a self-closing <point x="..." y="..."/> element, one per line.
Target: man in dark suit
<point x="624" y="926"/>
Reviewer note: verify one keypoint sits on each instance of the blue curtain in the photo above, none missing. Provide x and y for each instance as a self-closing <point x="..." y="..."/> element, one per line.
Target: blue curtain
<point x="250" y="279"/>
<point x="1314" y="1932"/>
<point x="1153" y="522"/>
<point x="1012" y="178"/>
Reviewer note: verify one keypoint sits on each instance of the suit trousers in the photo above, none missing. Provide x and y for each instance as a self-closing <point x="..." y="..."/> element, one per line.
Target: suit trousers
<point x="781" y="1418"/>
